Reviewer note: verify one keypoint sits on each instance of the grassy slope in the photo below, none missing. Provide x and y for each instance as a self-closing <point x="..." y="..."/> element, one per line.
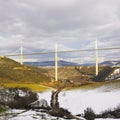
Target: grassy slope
<point x="11" y="71"/>
<point x="34" y="87"/>
<point x="108" y="85"/>
<point x="14" y="72"/>
<point x="17" y="75"/>
<point x="80" y="74"/>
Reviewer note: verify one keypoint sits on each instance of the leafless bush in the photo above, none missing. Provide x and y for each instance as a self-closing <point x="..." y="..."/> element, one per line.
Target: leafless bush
<point x="89" y="114"/>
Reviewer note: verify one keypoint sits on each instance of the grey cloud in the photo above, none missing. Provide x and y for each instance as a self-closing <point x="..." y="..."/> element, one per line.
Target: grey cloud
<point x="73" y="24"/>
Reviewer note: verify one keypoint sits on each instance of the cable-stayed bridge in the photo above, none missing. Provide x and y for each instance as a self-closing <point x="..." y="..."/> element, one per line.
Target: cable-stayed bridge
<point x="22" y="52"/>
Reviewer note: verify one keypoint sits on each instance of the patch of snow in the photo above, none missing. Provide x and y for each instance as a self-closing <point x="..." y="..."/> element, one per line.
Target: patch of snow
<point x="46" y="96"/>
<point x="22" y="93"/>
<point x="116" y="71"/>
<point x="30" y="115"/>
<point x="106" y="119"/>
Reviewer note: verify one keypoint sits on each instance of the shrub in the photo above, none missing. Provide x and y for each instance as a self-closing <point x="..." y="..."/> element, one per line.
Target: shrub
<point x="17" y="97"/>
<point x="89" y="114"/>
<point x="2" y="109"/>
<point x="111" y="113"/>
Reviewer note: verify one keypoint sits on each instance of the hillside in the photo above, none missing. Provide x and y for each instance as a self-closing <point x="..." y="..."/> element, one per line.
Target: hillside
<point x="12" y="71"/>
<point x="82" y="74"/>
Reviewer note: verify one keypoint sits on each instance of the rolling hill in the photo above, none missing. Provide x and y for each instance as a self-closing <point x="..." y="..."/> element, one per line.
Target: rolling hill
<point x="13" y="71"/>
<point x="111" y="63"/>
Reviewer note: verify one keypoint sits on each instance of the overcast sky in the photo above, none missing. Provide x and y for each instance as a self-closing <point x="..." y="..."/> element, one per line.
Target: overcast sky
<point x="73" y="24"/>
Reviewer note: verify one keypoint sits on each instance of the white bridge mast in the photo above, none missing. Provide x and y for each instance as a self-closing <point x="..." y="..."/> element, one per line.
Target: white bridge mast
<point x="96" y="56"/>
<point x="56" y="63"/>
<point x="21" y="55"/>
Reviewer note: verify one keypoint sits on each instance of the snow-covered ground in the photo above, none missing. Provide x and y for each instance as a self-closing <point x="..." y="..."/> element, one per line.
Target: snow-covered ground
<point x="106" y="119"/>
<point x="76" y="101"/>
<point x="27" y="115"/>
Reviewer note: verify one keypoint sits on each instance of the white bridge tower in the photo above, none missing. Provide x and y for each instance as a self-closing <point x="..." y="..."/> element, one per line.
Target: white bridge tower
<point x="56" y="63"/>
<point x="21" y="55"/>
<point x="96" y="56"/>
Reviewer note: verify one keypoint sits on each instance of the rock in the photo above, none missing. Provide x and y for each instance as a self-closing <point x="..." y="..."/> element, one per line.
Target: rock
<point x="39" y="104"/>
<point x="17" y="97"/>
<point x="56" y="110"/>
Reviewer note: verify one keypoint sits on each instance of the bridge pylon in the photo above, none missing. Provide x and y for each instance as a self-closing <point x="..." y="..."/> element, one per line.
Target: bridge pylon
<point x="21" y="55"/>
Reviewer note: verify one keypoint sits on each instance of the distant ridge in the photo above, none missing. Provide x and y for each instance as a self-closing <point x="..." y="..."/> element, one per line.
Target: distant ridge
<point x="66" y="63"/>
<point x="51" y="63"/>
<point x="111" y="63"/>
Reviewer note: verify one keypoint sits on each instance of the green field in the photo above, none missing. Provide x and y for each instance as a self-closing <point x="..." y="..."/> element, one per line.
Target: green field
<point x="33" y="87"/>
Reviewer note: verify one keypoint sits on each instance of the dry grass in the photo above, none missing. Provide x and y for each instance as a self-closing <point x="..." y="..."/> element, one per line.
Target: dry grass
<point x="33" y="87"/>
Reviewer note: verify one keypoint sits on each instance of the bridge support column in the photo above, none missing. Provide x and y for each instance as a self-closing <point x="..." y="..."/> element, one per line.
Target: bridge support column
<point x="96" y="57"/>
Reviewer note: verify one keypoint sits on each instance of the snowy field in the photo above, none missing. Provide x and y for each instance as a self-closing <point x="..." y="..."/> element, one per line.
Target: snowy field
<point x="76" y="101"/>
